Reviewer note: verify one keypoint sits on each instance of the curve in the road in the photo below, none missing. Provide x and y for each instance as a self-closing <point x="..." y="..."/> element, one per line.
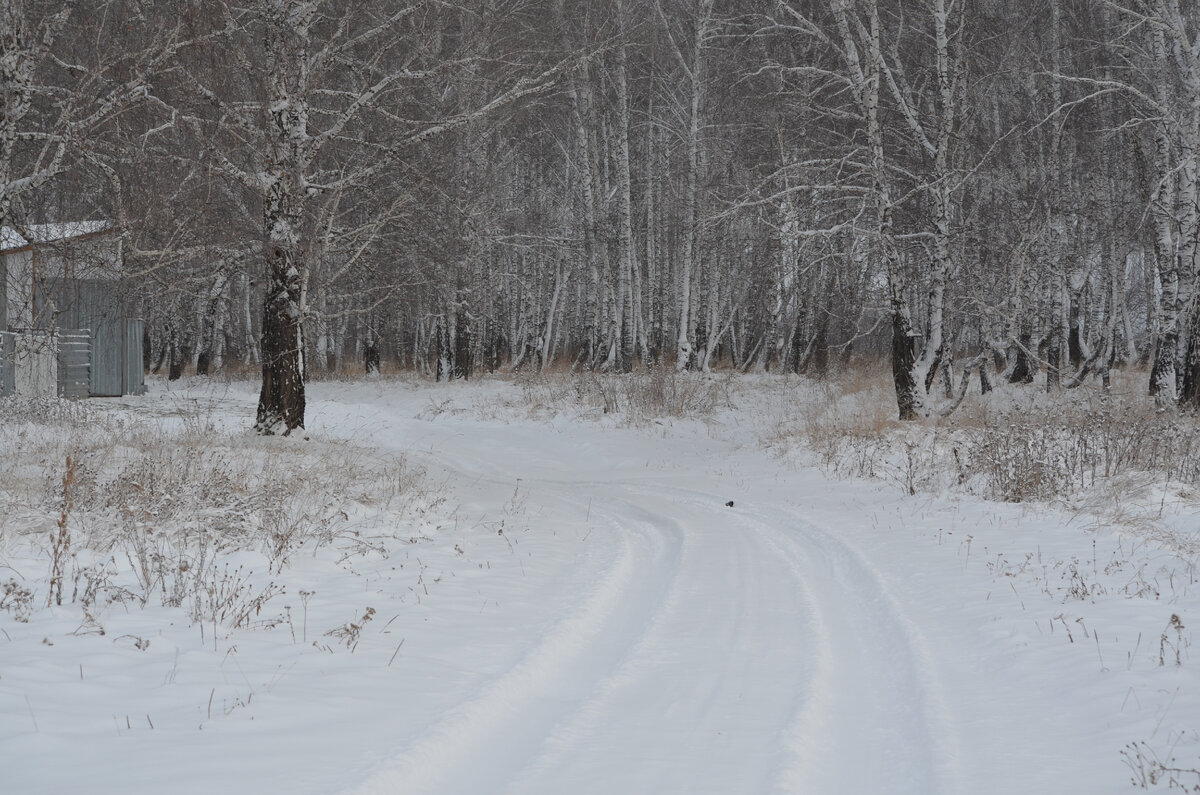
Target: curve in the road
<point x="720" y="650"/>
<point x="488" y="737"/>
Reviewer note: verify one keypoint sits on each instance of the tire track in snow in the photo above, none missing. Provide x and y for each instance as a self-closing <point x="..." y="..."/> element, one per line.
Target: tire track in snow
<point x="827" y="690"/>
<point x="703" y="702"/>
<point x="873" y="699"/>
<point x="486" y="739"/>
<point x="867" y="715"/>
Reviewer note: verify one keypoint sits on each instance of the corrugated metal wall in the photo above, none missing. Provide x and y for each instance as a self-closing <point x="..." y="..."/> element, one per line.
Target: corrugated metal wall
<point x="99" y="310"/>
<point x="93" y="305"/>
<point x="3" y="292"/>
<point x="74" y="363"/>
<point x="133" y="380"/>
<point x="8" y="351"/>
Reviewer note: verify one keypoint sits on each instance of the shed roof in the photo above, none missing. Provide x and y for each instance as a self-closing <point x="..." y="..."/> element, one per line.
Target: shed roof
<point x="40" y="234"/>
<point x="11" y="238"/>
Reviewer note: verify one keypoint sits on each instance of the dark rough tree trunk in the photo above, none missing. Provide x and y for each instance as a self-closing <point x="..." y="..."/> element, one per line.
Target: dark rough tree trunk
<point x="462" y="347"/>
<point x="370" y="351"/>
<point x="175" y="355"/>
<point x="947" y="367"/>
<point x="811" y="359"/>
<point x="1054" y="352"/>
<point x="281" y="401"/>
<point x="493" y="351"/>
<point x="1075" y="352"/>
<point x="371" y="358"/>
<point x="147" y="354"/>
<point x="1022" y="371"/>
<point x="819" y="364"/>
<point x="1189" y="388"/>
<point x="1078" y="347"/>
<point x="934" y="367"/>
<point x="1162" y="373"/>
<point x="443" y="365"/>
<point x="163" y="349"/>
<point x="903" y="360"/>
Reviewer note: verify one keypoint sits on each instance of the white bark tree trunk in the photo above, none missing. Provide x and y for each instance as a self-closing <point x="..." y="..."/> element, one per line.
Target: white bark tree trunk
<point x="621" y="333"/>
<point x="696" y="65"/>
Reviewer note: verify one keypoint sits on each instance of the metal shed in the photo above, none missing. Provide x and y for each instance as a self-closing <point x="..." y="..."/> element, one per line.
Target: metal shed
<point x="63" y="281"/>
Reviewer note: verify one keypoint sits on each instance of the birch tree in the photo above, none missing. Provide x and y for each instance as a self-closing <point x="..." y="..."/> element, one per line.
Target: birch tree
<point x="688" y="43"/>
<point x="337" y="102"/>
<point x="59" y="88"/>
<point x="1163" y="83"/>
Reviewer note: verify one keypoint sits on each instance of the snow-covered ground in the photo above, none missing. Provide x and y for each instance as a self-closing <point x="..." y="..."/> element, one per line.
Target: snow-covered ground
<point x="551" y="601"/>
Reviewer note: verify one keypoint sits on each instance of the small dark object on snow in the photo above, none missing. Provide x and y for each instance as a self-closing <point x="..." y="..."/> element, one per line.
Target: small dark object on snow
<point x="729" y="504"/>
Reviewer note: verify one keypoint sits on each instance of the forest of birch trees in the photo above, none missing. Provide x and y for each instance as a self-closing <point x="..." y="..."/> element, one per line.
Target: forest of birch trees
<point x="969" y="190"/>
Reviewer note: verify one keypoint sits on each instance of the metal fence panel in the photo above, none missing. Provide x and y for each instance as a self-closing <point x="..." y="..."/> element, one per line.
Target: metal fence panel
<point x="92" y="305"/>
<point x="35" y="364"/>
<point x="74" y="363"/>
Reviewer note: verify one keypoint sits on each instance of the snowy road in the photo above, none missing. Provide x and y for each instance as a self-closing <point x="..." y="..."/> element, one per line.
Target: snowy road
<point x="718" y="649"/>
<point x="565" y="605"/>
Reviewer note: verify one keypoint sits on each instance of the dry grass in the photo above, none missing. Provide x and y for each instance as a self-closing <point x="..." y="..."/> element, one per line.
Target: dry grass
<point x="1016" y="444"/>
<point x="1147" y="769"/>
<point x="639" y="397"/>
<point x="164" y="511"/>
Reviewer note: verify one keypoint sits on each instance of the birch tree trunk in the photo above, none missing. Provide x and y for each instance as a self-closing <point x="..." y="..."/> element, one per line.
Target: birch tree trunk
<point x="620" y="356"/>
<point x="865" y="79"/>
<point x="1163" y="384"/>
<point x="593" y="242"/>
<point x="653" y="334"/>
<point x="685" y="346"/>
<point x="1054" y="347"/>
<point x="934" y="352"/>
<point x="1189" y="248"/>
<point x="281" y="401"/>
<point x="549" y="335"/>
<point x="1180" y="37"/>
